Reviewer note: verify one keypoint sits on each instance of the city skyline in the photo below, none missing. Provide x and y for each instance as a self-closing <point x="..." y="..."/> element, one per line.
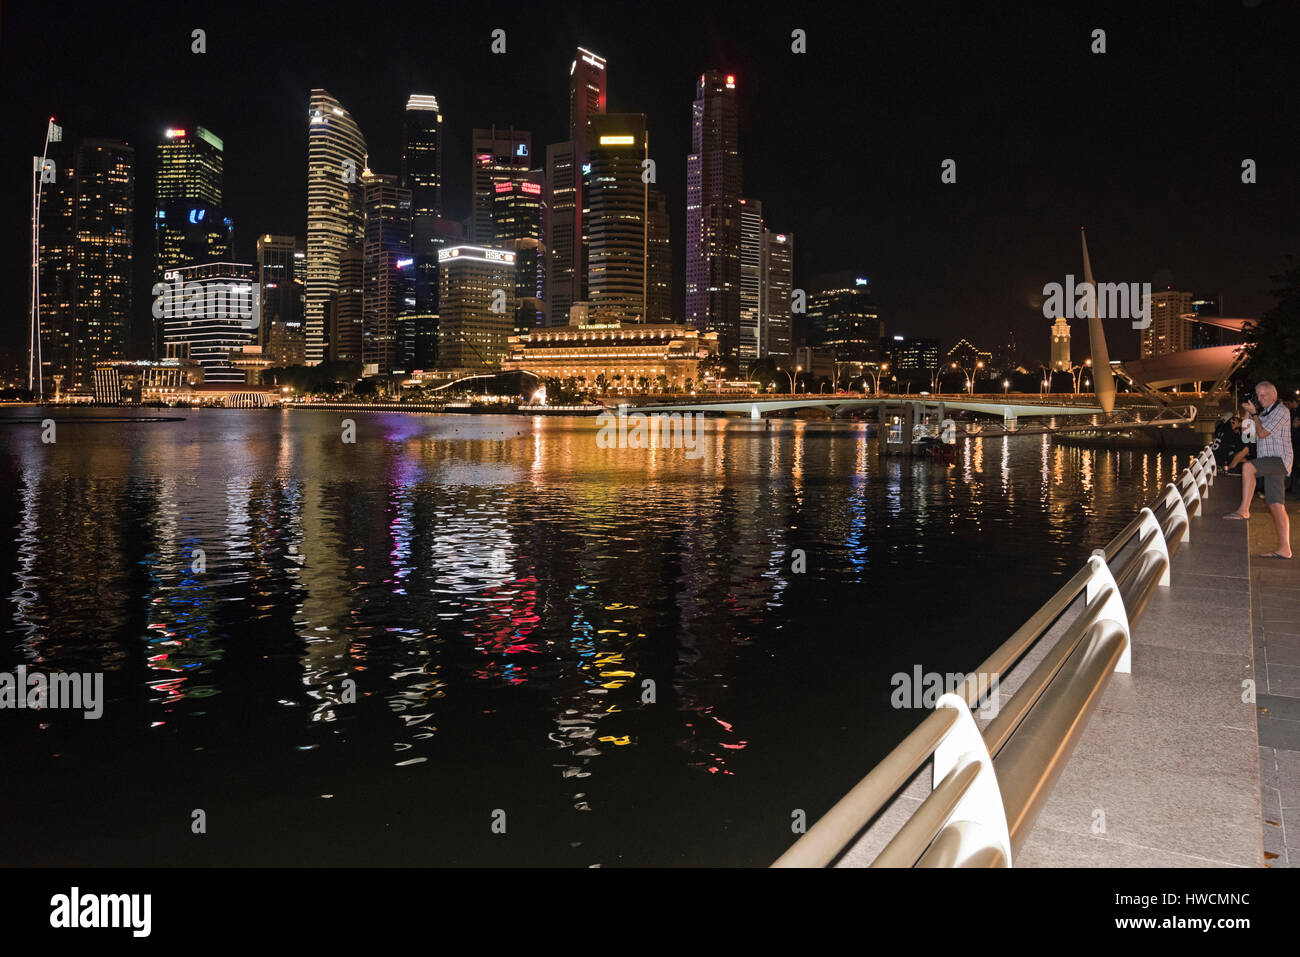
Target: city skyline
<point x="984" y="274"/>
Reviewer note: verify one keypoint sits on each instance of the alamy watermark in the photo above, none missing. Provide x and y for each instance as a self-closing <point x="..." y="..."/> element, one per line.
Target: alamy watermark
<point x="652" y="430"/>
<point x="205" y="300"/>
<point x="75" y="691"/>
<point x="1113" y="300"/>
<point x="922" y="689"/>
<point x="125" y="911"/>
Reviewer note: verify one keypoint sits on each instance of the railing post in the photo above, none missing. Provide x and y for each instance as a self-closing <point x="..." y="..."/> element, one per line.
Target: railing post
<point x="1210" y="465"/>
<point x="981" y="805"/>
<point x="1192" y="496"/>
<point x="1158" y="543"/>
<point x="1113" y="607"/>
<point x="1179" y="507"/>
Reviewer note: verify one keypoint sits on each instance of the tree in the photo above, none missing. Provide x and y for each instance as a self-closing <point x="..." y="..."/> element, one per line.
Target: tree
<point x="1276" y="352"/>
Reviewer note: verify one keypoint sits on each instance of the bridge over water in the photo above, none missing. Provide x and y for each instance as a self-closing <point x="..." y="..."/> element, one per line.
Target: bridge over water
<point x="909" y="421"/>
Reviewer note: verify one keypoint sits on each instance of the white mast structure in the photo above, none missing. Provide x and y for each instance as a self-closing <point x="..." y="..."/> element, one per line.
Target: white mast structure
<point x="1103" y="380"/>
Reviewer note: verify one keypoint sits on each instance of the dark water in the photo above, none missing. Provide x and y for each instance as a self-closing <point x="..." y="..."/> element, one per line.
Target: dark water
<point x="499" y="589"/>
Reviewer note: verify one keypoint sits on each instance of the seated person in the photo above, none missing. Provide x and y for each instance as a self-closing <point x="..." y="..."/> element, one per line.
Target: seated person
<point x="1223" y="439"/>
<point x="1234" y="449"/>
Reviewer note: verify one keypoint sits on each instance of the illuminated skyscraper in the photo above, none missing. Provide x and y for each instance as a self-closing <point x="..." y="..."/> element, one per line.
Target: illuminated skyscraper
<point x="213" y="314"/>
<point x="565" y="164"/>
<point x="345" y="310"/>
<point x="587" y="91"/>
<point x="844" y="318"/>
<point x="190" y="223"/>
<point x="614" y="220"/>
<point x="519" y="217"/>
<point x="422" y="174"/>
<point x="336" y="154"/>
<point x="713" y="227"/>
<point x="751" y="279"/>
<point x="658" y="260"/>
<point x="499" y="155"/>
<point x="474" y="281"/>
<point x="279" y="327"/>
<point x="387" y="279"/>
<point x="85" y="257"/>
<point x="563" y="231"/>
<point x="1168" y="332"/>
<point x="778" y="283"/>
<point x="588" y="85"/>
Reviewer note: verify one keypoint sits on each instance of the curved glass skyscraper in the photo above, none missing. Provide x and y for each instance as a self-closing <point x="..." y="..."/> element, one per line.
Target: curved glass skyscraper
<point x="336" y="157"/>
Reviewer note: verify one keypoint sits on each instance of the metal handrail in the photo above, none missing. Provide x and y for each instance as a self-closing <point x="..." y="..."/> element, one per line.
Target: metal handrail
<point x="994" y="782"/>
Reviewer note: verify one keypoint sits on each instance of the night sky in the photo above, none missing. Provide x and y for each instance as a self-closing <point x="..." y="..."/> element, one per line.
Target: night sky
<point x="1142" y="145"/>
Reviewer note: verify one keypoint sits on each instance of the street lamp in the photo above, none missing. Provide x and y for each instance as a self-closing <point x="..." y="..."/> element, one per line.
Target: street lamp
<point x="1006" y="384"/>
<point x="970" y="375"/>
<point x="1075" y="370"/>
<point x="875" y="376"/>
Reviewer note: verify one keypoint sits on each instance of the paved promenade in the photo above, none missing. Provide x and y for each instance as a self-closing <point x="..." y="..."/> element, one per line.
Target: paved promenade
<point x="1167" y="773"/>
<point x="1275" y="627"/>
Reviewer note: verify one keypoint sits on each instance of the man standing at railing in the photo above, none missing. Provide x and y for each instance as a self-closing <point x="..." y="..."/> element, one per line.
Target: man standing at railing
<point x="1272" y="463"/>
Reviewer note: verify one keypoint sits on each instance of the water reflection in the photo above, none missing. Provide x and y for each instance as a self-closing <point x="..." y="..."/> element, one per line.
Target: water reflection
<point x="648" y="657"/>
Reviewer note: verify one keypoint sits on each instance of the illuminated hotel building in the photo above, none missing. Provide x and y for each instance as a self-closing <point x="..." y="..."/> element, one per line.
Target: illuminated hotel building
<point x="215" y="314"/>
<point x="473" y="279"/>
<point x="190" y="224"/>
<point x="386" y="283"/>
<point x="614" y="217"/>
<point x="614" y="355"/>
<point x="713" y="226"/>
<point x="519" y="216"/>
<point x="85" y="256"/>
<point x="499" y="155"/>
<point x="336" y="154"/>
<point x="777" y="334"/>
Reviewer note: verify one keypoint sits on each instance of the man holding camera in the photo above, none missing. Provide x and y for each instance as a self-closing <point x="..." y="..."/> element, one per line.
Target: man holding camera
<point x="1272" y="463"/>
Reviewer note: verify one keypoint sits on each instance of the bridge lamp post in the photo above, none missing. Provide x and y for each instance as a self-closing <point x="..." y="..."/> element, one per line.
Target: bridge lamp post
<point x="875" y="376"/>
<point x="970" y="375"/>
<point x="1006" y="384"/>
<point x="1076" y="370"/>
